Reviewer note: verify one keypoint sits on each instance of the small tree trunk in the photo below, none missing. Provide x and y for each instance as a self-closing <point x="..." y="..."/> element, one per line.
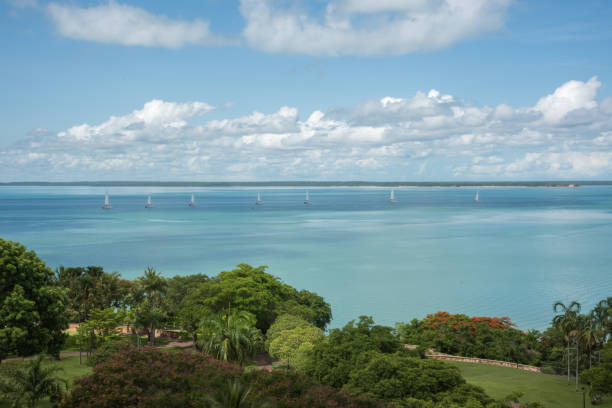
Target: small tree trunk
<point x="568" y="362"/>
<point x="152" y="336"/>
<point x="577" y="354"/>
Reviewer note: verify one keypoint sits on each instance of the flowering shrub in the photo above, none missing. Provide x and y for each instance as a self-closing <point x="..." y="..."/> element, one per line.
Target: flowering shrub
<point x="485" y="337"/>
<point x="156" y="378"/>
<point x="459" y="321"/>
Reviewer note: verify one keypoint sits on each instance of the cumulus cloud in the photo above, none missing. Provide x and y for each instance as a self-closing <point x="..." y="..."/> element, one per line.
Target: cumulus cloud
<point x="570" y="97"/>
<point x="369" y="27"/>
<point x="115" y="23"/>
<point x="338" y="27"/>
<point x="430" y="133"/>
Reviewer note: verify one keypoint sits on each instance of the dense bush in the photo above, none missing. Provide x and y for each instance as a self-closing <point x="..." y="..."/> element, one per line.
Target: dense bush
<point x="484" y="337"/>
<point x="333" y="360"/>
<point x="255" y="291"/>
<point x="155" y="378"/>
<point x="403" y="379"/>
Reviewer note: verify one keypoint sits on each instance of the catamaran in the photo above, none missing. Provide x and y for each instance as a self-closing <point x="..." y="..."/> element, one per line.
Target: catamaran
<point x="307" y="200"/>
<point x="149" y="203"/>
<point x="106" y="205"/>
<point x="259" y="202"/>
<point x="192" y="201"/>
<point x="476" y="198"/>
<point x="392" y="197"/>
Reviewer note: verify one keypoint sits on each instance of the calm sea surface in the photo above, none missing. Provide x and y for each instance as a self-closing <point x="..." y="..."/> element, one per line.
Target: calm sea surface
<point x="512" y="254"/>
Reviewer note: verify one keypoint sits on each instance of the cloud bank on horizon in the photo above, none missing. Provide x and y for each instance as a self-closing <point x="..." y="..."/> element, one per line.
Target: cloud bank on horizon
<point x="340" y="27"/>
<point x="431" y="135"/>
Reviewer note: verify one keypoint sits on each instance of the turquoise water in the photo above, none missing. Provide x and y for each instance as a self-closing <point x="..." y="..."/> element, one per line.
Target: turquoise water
<point x="512" y="254"/>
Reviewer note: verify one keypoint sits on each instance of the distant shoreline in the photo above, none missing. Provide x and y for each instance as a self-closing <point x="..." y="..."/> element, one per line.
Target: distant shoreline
<point x="551" y="183"/>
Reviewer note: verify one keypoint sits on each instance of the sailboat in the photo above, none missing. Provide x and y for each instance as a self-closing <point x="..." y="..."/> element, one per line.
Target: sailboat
<point x="476" y="198"/>
<point x="149" y="203"/>
<point x="392" y="197"/>
<point x="106" y="205"/>
<point x="192" y="201"/>
<point x="307" y="200"/>
<point x="259" y="202"/>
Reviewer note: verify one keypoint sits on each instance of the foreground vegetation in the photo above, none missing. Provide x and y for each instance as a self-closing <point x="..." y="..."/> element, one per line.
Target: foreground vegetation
<point x="238" y="313"/>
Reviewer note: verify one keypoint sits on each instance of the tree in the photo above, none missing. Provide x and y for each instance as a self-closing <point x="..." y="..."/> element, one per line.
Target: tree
<point x="92" y="288"/>
<point x="100" y="328"/>
<point x="566" y="320"/>
<point x="397" y="377"/>
<point x="230" y="337"/>
<point x="332" y="361"/>
<point x="31" y="382"/>
<point x="290" y="343"/>
<point x="32" y="309"/>
<point x="282" y="323"/>
<point x="177" y="291"/>
<point x="600" y="376"/>
<point x="255" y="291"/>
<point x="148" y="300"/>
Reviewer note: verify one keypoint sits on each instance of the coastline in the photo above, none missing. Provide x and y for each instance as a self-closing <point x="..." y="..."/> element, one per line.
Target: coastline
<point x="395" y="184"/>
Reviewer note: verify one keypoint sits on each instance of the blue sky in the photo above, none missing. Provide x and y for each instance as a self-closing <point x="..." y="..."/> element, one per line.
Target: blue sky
<point x="305" y="90"/>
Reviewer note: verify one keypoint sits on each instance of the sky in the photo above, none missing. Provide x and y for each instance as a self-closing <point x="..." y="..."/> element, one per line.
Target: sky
<point x="267" y="90"/>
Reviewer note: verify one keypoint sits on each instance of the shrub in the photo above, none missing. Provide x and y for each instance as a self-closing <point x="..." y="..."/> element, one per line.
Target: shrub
<point x="155" y="378"/>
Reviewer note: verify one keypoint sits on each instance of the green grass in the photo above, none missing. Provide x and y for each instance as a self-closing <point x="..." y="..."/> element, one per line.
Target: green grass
<point x="552" y="391"/>
<point x="69" y="365"/>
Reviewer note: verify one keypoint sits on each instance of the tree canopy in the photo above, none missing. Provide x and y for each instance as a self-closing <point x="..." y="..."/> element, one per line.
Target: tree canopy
<point x="254" y="290"/>
<point x="32" y="309"/>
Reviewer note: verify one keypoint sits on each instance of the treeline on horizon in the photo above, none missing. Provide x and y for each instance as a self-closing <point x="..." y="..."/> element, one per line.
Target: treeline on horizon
<point x="234" y="315"/>
<point x="542" y="183"/>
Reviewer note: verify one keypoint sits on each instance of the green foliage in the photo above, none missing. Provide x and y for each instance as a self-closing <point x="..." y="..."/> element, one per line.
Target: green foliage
<point x="158" y="379"/>
<point x="32" y="309"/>
<point x="27" y="384"/>
<point x="333" y="360"/>
<point x="600" y="377"/>
<point x="282" y="323"/>
<point x="148" y="302"/>
<point x="177" y="291"/>
<point x="230" y="337"/>
<point x="293" y="344"/>
<point x="91" y="288"/>
<point x="483" y="337"/>
<point x="100" y="328"/>
<point x="233" y="395"/>
<point x="395" y="377"/>
<point x="257" y="292"/>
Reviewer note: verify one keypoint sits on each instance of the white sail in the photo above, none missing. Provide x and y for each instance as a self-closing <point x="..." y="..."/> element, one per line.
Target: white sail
<point x="192" y="201"/>
<point x="106" y="205"/>
<point x="149" y="203"/>
<point x="258" y="202"/>
<point x="392" y="197"/>
<point x="307" y="200"/>
<point x="476" y="198"/>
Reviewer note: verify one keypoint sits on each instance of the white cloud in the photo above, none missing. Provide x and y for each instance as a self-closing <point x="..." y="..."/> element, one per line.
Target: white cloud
<point x="369" y="27"/>
<point x="569" y="97"/>
<point x="115" y="23"/>
<point x="392" y="137"/>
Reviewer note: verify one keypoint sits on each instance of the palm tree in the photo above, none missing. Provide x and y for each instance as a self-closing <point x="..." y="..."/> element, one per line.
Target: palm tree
<point x="233" y="395"/>
<point x="148" y="298"/>
<point x="566" y="320"/>
<point x="230" y="336"/>
<point x="30" y="383"/>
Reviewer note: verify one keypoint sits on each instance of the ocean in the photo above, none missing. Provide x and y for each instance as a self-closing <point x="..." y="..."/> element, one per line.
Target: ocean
<point x="514" y="253"/>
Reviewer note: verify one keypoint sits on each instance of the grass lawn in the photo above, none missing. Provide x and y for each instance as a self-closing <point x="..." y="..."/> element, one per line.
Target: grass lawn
<point x="71" y="369"/>
<point x="550" y="390"/>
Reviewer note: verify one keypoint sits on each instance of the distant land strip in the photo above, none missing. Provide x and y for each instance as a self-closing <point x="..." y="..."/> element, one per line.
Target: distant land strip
<point x="556" y="183"/>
